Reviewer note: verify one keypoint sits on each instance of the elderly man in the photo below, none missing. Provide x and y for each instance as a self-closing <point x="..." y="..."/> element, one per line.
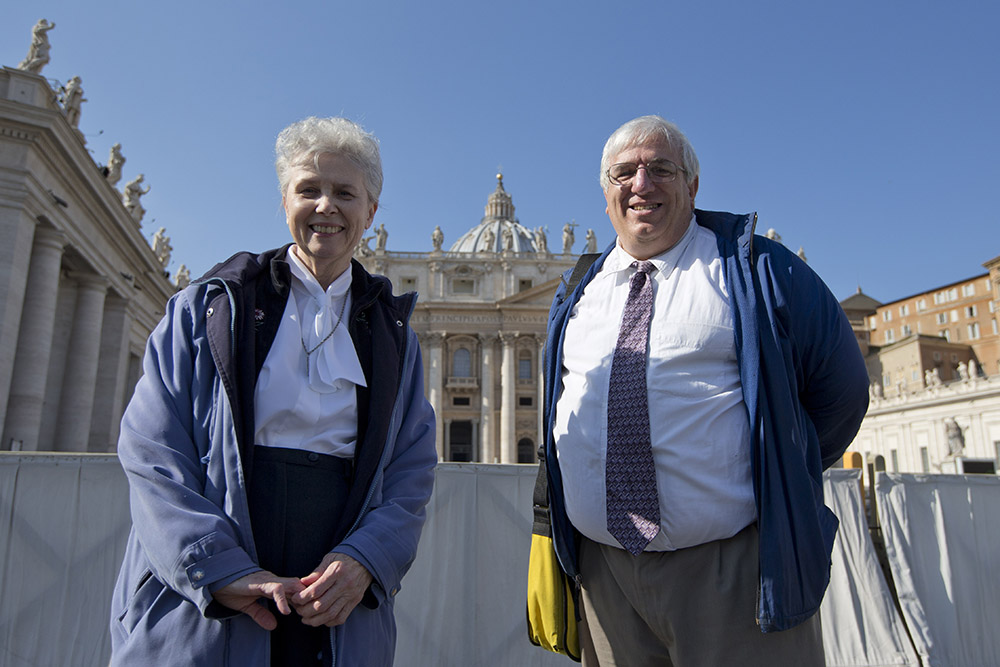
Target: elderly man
<point x="700" y="378"/>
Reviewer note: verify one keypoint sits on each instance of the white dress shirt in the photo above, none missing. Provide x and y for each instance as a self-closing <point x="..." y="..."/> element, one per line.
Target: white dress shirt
<point x="310" y="401"/>
<point x="698" y="421"/>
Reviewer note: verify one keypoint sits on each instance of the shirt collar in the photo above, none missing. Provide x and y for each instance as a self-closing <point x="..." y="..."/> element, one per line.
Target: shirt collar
<point x="620" y="260"/>
<point x="306" y="281"/>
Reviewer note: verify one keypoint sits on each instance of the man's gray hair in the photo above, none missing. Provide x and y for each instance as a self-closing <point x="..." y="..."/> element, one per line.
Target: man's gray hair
<point x="306" y="140"/>
<point x="641" y="130"/>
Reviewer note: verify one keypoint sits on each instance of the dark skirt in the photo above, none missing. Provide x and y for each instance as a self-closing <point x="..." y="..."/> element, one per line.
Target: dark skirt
<point x="295" y="501"/>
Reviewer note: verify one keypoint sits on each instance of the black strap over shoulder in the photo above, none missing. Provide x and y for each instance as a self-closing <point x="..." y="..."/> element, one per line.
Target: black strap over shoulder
<point x="580" y="270"/>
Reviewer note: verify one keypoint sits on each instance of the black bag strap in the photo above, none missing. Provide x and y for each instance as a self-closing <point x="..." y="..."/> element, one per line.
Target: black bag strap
<point x="580" y="270"/>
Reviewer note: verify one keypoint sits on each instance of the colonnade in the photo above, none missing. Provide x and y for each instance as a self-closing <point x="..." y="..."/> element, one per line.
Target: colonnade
<point x="64" y="342"/>
<point x="486" y="447"/>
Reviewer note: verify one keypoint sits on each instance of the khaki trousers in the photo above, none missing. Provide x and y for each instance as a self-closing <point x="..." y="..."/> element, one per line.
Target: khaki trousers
<point x="694" y="607"/>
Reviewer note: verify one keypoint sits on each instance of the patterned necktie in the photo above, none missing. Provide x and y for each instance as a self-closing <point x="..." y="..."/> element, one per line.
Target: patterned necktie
<point x="633" y="504"/>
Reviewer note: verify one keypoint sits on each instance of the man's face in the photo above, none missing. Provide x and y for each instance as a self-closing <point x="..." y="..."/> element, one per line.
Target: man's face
<point x="649" y="217"/>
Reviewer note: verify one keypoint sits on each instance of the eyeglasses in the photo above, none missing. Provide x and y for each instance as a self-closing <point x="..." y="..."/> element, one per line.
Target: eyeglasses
<point x="658" y="171"/>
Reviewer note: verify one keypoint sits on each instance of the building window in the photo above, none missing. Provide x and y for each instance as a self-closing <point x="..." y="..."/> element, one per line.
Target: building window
<point x="954" y="316"/>
<point x="461" y="401"/>
<point x="887" y="316"/>
<point x="408" y="284"/>
<point x="460" y="441"/>
<point x="925" y="462"/>
<point x="461" y="363"/>
<point x="523" y="284"/>
<point x="994" y="322"/>
<point x="970" y="311"/>
<point x="942" y="318"/>
<point x="894" y="457"/>
<point x="921" y="304"/>
<point x="526" y="451"/>
<point x="886" y="380"/>
<point x="463" y="286"/>
<point x="974" y="331"/>
<point x="904" y="310"/>
<point x="889" y="336"/>
<point x="524" y="402"/>
<point x="954" y="358"/>
<point x="906" y="330"/>
<point x="944" y="333"/>
<point x="953" y="294"/>
<point x="524" y="365"/>
<point x="937" y="356"/>
<point x="874" y="323"/>
<point x="968" y="290"/>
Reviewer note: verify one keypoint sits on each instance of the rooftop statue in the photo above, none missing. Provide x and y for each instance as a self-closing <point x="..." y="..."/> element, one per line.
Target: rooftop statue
<point x="38" y="52"/>
<point x="183" y="277"/>
<point x="381" y="236"/>
<point x="162" y="247"/>
<point x="113" y="172"/>
<point x="541" y="241"/>
<point x="130" y="198"/>
<point x="437" y="238"/>
<point x="591" y="241"/>
<point x="569" y="238"/>
<point x="71" y="100"/>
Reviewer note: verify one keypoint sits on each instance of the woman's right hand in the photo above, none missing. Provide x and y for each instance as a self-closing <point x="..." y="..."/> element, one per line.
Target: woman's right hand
<point x="244" y="593"/>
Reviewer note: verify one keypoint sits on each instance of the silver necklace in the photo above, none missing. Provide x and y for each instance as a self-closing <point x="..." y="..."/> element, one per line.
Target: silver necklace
<point x="339" y="318"/>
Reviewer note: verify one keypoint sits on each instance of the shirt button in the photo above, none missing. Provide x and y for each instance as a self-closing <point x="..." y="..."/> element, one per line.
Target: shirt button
<point x="313" y="457"/>
<point x="198" y="575"/>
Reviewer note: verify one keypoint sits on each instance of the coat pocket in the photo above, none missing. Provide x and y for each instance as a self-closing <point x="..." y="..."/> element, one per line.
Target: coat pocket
<point x="145" y="594"/>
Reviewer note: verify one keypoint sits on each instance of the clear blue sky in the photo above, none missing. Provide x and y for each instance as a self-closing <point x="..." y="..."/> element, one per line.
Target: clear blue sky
<point x="864" y="131"/>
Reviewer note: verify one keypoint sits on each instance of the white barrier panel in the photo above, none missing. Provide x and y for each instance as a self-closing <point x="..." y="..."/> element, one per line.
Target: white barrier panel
<point x="942" y="536"/>
<point x="63" y="525"/>
<point x="861" y="626"/>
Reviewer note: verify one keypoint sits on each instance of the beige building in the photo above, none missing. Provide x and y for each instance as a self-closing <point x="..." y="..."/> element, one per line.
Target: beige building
<point x="481" y="320"/>
<point x="80" y="287"/>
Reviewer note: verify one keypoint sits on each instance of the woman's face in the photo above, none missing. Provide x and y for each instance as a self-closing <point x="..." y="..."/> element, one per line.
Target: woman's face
<point x="328" y="210"/>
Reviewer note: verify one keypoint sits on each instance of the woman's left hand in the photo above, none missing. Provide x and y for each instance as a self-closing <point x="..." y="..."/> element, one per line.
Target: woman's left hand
<point x="332" y="590"/>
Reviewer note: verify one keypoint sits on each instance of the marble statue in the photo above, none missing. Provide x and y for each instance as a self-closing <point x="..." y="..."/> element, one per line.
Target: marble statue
<point x="130" y="198"/>
<point x="935" y="377"/>
<point x="183" y="277"/>
<point x="38" y="52"/>
<point x="381" y="236"/>
<point x="569" y="238"/>
<point x="773" y="235"/>
<point x="362" y="249"/>
<point x="541" y="241"/>
<point x="877" y="389"/>
<point x="956" y="439"/>
<point x="802" y="254"/>
<point x="113" y="172"/>
<point x="963" y="371"/>
<point x="489" y="238"/>
<point x="591" y="238"/>
<point x="71" y="100"/>
<point x="162" y="247"/>
<point x="973" y="369"/>
<point x="437" y="238"/>
<point x="508" y="239"/>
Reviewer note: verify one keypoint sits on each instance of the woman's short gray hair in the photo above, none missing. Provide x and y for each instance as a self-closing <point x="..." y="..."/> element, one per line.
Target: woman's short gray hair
<point x="307" y="139"/>
<point x="641" y="130"/>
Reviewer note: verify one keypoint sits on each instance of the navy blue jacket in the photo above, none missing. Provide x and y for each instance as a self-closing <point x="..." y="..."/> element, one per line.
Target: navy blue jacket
<point x="805" y="387"/>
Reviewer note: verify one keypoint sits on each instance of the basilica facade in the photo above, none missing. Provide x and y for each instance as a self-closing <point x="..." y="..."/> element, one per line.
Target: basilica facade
<point x="481" y="318"/>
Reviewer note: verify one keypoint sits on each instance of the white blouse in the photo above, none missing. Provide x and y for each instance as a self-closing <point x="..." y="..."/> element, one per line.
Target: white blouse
<point x="309" y="401"/>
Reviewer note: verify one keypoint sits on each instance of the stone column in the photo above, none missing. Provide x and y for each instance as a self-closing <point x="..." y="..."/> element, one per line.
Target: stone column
<point x="432" y="342"/>
<point x="540" y="374"/>
<point x="111" y="375"/>
<point x="34" y="343"/>
<point x="487" y="448"/>
<point x="508" y="385"/>
<point x="446" y="448"/>
<point x="17" y="230"/>
<point x="476" y="434"/>
<point x="76" y="401"/>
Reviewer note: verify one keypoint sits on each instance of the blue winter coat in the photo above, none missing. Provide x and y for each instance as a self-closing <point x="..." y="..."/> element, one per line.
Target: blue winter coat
<point x="187" y="444"/>
<point x="805" y="387"/>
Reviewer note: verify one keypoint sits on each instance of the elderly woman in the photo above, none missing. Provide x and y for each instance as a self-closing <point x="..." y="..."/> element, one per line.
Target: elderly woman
<point x="279" y="448"/>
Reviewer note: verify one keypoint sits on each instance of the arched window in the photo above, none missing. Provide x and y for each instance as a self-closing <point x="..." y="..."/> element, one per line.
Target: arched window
<point x="526" y="451"/>
<point x="461" y="363"/>
<point x="524" y="365"/>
